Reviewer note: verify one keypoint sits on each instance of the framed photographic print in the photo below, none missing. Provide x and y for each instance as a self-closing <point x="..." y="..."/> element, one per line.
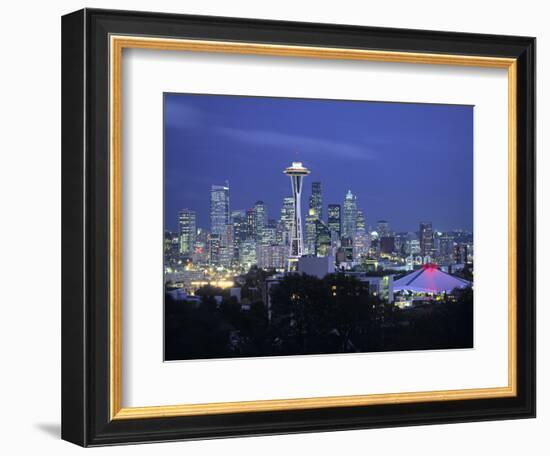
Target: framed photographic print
<point x="278" y="227"/>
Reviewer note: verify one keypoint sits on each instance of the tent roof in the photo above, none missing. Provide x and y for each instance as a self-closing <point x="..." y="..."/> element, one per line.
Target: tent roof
<point x="429" y="279"/>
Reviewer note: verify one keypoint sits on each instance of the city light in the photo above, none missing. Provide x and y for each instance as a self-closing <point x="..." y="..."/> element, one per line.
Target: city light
<point x="239" y="240"/>
<point x="291" y="234"/>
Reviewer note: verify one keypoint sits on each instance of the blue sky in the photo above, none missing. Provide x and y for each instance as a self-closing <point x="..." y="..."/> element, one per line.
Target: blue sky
<point x="405" y="162"/>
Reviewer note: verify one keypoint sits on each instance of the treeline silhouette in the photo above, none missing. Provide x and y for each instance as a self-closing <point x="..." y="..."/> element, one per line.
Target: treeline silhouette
<point x="336" y="314"/>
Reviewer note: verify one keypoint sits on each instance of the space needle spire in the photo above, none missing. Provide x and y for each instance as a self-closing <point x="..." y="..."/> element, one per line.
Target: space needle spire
<point x="296" y="172"/>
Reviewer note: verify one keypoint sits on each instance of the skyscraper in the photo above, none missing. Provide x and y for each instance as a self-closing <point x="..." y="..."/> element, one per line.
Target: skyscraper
<point x="322" y="239"/>
<point x="238" y="220"/>
<point x="287" y="216"/>
<point x="287" y="212"/>
<point x="260" y="220"/>
<point x="269" y="233"/>
<point x="314" y="213"/>
<point x="188" y="230"/>
<point x="219" y="209"/>
<point x="311" y="232"/>
<point x="296" y="172"/>
<point x="214" y="248"/>
<point x="349" y="222"/>
<point x="383" y="228"/>
<point x="335" y="218"/>
<point x="248" y="253"/>
<point x="426" y="238"/>
<point x="250" y="224"/>
<point x="172" y="247"/>
<point x="271" y="256"/>
<point x="360" y="244"/>
<point x="201" y="252"/>
<point x="446" y="246"/>
<point x="316" y="200"/>
<point x="360" y="222"/>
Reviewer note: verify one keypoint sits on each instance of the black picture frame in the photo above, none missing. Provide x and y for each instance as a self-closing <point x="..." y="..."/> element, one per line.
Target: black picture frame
<point x="85" y="225"/>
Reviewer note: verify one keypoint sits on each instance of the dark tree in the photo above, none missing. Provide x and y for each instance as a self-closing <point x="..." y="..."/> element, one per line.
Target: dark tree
<point x="336" y="314"/>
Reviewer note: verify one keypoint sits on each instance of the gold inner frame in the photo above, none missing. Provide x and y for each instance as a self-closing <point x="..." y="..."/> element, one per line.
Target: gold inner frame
<point x="117" y="44"/>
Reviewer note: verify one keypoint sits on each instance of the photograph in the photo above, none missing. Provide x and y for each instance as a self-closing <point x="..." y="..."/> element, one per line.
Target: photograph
<point x="297" y="226"/>
<point x="285" y="224"/>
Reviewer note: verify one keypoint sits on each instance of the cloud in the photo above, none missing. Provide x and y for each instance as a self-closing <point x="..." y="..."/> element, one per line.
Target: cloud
<point x="299" y="143"/>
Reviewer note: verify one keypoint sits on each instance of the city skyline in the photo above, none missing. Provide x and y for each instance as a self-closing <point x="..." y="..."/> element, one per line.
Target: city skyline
<point x="316" y="226"/>
<point x="189" y="176"/>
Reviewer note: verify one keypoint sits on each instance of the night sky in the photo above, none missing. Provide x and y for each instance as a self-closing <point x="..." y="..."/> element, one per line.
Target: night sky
<point x="405" y="162"/>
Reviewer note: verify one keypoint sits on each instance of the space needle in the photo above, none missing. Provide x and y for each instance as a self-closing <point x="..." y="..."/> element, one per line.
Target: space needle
<point x="296" y="172"/>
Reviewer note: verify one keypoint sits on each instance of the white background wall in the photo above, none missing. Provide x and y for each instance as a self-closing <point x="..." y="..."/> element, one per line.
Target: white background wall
<point x="30" y="192"/>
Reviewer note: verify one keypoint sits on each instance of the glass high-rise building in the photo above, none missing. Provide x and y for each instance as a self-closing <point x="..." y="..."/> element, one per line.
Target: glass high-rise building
<point x="269" y="233"/>
<point x="322" y="239"/>
<point x="214" y="248"/>
<point x="360" y="224"/>
<point x="238" y="220"/>
<point x="271" y="256"/>
<point x="260" y="220"/>
<point x="426" y="237"/>
<point x="316" y="200"/>
<point x="250" y="224"/>
<point x="446" y="246"/>
<point x="349" y="219"/>
<point x="287" y="212"/>
<point x="219" y="210"/>
<point x="311" y="232"/>
<point x="361" y="242"/>
<point x="287" y="217"/>
<point x="335" y="218"/>
<point x="187" y="230"/>
<point x="248" y="253"/>
<point x="383" y="228"/>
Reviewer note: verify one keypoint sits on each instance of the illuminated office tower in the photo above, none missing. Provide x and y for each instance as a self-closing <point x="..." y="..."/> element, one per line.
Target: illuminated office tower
<point x="311" y="232"/>
<point x="269" y="233"/>
<point x="172" y="248"/>
<point x="271" y="256"/>
<point x="335" y="219"/>
<point x="219" y="210"/>
<point x="287" y="212"/>
<point x="315" y="213"/>
<point x="446" y="246"/>
<point x="287" y="216"/>
<point x="296" y="172"/>
<point x="227" y="249"/>
<point x="360" y="222"/>
<point x="214" y="248"/>
<point x="238" y="220"/>
<point x="260" y="220"/>
<point x="316" y="200"/>
<point x="200" y="249"/>
<point x="322" y="239"/>
<point x="349" y="222"/>
<point x="188" y="230"/>
<point x="248" y="253"/>
<point x="426" y="236"/>
<point x="383" y="228"/>
<point x="399" y="241"/>
<point x="360" y="244"/>
<point x="250" y="224"/>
